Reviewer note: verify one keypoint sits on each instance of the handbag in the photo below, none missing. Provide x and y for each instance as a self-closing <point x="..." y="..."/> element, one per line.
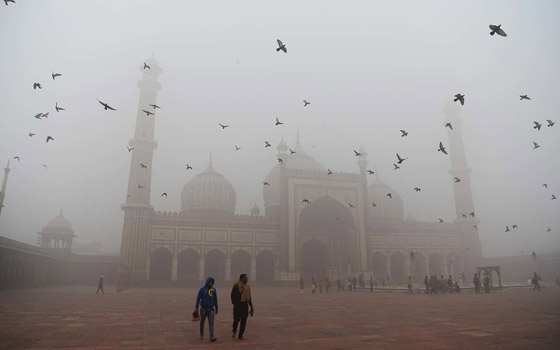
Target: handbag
<point x="195" y="315"/>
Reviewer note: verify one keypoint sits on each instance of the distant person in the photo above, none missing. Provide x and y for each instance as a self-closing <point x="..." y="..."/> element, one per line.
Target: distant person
<point x="301" y="285"/>
<point x="327" y="284"/>
<point x="456" y="287"/>
<point x="371" y="283"/>
<point x="535" y="281"/>
<point x="100" y="286"/>
<point x="321" y="285"/>
<point x="409" y="285"/>
<point x="241" y="300"/>
<point x="433" y="287"/>
<point x="427" y="284"/>
<point x="313" y="285"/>
<point x="486" y="283"/>
<point x="450" y="284"/>
<point x="354" y="282"/>
<point x="476" y="282"/>
<point x="207" y="299"/>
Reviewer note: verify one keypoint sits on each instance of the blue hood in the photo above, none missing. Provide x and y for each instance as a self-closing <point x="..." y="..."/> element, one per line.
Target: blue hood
<point x="210" y="278"/>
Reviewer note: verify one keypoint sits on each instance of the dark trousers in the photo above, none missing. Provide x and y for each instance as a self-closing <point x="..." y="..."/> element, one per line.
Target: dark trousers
<point x="240" y="314"/>
<point x="537" y="286"/>
<point x="477" y="288"/>
<point x="427" y="289"/>
<point x="100" y="288"/>
<point x="486" y="288"/>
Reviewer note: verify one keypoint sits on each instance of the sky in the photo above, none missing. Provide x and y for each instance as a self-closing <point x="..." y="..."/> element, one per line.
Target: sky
<point x="369" y="69"/>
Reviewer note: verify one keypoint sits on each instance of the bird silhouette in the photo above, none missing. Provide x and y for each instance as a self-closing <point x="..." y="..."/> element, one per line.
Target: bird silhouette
<point x="292" y="151"/>
<point x="7" y="1"/>
<point x="396" y="166"/>
<point x="550" y="123"/>
<point x="266" y="183"/>
<point x="31" y="134"/>
<point x="351" y="206"/>
<point x="548" y="229"/>
<point x="49" y="138"/>
<point x="373" y="205"/>
<point x="457" y="180"/>
<point x="16" y="157"/>
<point x="44" y="166"/>
<point x="475" y="227"/>
<point x="266" y="144"/>
<point x="417" y="189"/>
<point x="106" y="106"/>
<point x="305" y="201"/>
<point x="400" y="159"/>
<point x="553" y="197"/>
<point x="515" y="226"/>
<point x="146" y="66"/>
<point x="537" y="125"/>
<point x="460" y="98"/>
<point x="370" y="172"/>
<point x="164" y="194"/>
<point x="140" y="186"/>
<point x="45" y="115"/>
<point x="448" y="125"/>
<point x="54" y="75"/>
<point x="305" y="103"/>
<point x="545" y="185"/>
<point x="507" y="229"/>
<point x="329" y="172"/>
<point x="58" y="109"/>
<point x="189" y="167"/>
<point x="154" y="106"/>
<point x="464" y="216"/>
<point x="524" y="97"/>
<point x="404" y="133"/>
<point x="237" y="148"/>
<point x="143" y="166"/>
<point x="38" y="116"/>
<point x="37" y="86"/>
<point x="471" y="214"/>
<point x="357" y="153"/>
<point x="281" y="46"/>
<point x="389" y="195"/>
<point x="279" y="160"/>
<point x="129" y="148"/>
<point x="441" y="148"/>
<point x="278" y="122"/>
<point x="148" y="113"/>
<point x="536" y="145"/>
<point x="497" y="30"/>
<point x="440" y="221"/>
<point x="223" y="126"/>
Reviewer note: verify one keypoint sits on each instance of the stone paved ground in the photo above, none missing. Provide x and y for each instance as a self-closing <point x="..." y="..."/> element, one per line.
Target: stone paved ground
<point x="76" y="318"/>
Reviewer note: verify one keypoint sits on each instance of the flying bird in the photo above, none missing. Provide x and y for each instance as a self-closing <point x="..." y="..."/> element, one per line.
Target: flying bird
<point x="266" y="144"/>
<point x="223" y="126"/>
<point x="143" y="166"/>
<point x="106" y="106"/>
<point x="553" y="197"/>
<point x="417" y="189"/>
<point x="396" y="166"/>
<point x="441" y="148"/>
<point x="7" y="1"/>
<point x="154" y="106"/>
<point x="524" y="97"/>
<point x="548" y="229"/>
<point x="148" y="113"/>
<point x="507" y="229"/>
<point x="45" y="115"/>
<point x="54" y="75"/>
<point x="189" y="167"/>
<point x="497" y="30"/>
<point x="31" y="134"/>
<point x="471" y="214"/>
<point x="373" y="205"/>
<point x="537" y="125"/>
<point x="460" y="98"/>
<point x="329" y="172"/>
<point x="357" y="153"/>
<point x="536" y="145"/>
<point x="292" y="151"/>
<point x="37" y="86"/>
<point x="16" y="157"/>
<point x="440" y="221"/>
<point x="400" y="159"/>
<point x="38" y="116"/>
<point x="305" y="201"/>
<point x="58" y="109"/>
<point x="404" y="133"/>
<point x="146" y="66"/>
<point x="278" y="122"/>
<point x="44" y="166"/>
<point x="237" y="148"/>
<point x="140" y="186"/>
<point x="279" y="160"/>
<point x="129" y="148"/>
<point x="463" y="215"/>
<point x="545" y="185"/>
<point x="266" y="183"/>
<point x="389" y="195"/>
<point x="515" y="226"/>
<point x="457" y="180"/>
<point x="550" y="123"/>
<point x="370" y="172"/>
<point x="164" y="194"/>
<point x="475" y="227"/>
<point x="448" y="125"/>
<point x="305" y="103"/>
<point x="49" y="138"/>
<point x="351" y="206"/>
<point x="281" y="46"/>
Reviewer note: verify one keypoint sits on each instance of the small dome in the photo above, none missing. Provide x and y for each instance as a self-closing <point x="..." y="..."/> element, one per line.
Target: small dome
<point x="255" y="211"/>
<point x="59" y="223"/>
<point x="386" y="208"/>
<point x="209" y="190"/>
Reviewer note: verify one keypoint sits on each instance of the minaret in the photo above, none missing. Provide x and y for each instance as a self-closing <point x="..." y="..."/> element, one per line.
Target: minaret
<point x="462" y="190"/>
<point x="137" y="209"/>
<point x="4" y="183"/>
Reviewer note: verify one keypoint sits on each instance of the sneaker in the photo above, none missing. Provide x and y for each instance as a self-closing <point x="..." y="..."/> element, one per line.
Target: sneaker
<point x="213" y="339"/>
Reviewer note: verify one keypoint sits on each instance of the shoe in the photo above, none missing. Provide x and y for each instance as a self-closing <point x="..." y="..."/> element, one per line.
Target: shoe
<point x="241" y="337"/>
<point x="213" y="339"/>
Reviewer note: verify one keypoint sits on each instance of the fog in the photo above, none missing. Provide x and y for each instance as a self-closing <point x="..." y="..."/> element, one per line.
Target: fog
<point x="368" y="68"/>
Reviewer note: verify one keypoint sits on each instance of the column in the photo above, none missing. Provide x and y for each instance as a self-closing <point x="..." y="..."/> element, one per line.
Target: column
<point x="174" y="269"/>
<point x="201" y="270"/>
<point x="228" y="269"/>
<point x="388" y="268"/>
<point x="253" y="270"/>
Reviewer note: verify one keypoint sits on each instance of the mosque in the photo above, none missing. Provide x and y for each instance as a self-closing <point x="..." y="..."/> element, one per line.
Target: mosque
<point x="335" y="232"/>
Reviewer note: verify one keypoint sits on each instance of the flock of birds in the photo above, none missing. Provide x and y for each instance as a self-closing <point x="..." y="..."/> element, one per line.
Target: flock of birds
<point x="495" y="29"/>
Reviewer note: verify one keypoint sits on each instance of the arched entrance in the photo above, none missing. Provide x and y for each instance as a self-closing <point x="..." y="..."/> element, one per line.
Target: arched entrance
<point x="314" y="259"/>
<point x="419" y="267"/>
<point x="379" y="266"/>
<point x="188" y="265"/>
<point x="397" y="268"/>
<point x="265" y="266"/>
<point x="240" y="263"/>
<point x="330" y="222"/>
<point x="215" y="265"/>
<point x="454" y="264"/>
<point x="436" y="264"/>
<point x="160" y="265"/>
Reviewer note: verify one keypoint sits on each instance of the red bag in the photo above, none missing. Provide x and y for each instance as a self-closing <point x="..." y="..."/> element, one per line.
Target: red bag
<point x="195" y="316"/>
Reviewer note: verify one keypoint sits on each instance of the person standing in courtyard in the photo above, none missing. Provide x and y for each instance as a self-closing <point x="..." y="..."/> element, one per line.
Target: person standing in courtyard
<point x="207" y="299"/>
<point x="100" y="286"/>
<point x="371" y="283"/>
<point x="301" y="285"/>
<point x="354" y="282"/>
<point x="476" y="282"/>
<point x="450" y="284"/>
<point x="241" y="300"/>
<point x="433" y="289"/>
<point x="313" y="285"/>
<point x="536" y="284"/>
<point x="427" y="284"/>
<point x="486" y="283"/>
<point x="409" y="285"/>
<point x="327" y="284"/>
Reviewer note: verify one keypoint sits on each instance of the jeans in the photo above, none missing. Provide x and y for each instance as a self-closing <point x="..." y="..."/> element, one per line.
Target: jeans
<point x="204" y="312"/>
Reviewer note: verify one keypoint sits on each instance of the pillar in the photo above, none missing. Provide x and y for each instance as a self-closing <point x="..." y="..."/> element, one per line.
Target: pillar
<point x="253" y="270"/>
<point x="228" y="269"/>
<point x="174" y="269"/>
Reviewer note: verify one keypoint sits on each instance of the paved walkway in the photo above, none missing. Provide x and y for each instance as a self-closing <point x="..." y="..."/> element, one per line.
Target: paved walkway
<point x="75" y="318"/>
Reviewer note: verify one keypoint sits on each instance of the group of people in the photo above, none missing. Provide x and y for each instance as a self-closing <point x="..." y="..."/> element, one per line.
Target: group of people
<point x="435" y="285"/>
<point x="207" y="303"/>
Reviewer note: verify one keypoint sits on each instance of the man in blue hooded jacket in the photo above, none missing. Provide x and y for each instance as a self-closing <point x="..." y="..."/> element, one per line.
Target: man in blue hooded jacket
<point x="208" y="300"/>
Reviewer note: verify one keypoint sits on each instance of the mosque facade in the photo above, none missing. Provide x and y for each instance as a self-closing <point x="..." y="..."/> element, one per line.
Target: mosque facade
<point x="315" y="223"/>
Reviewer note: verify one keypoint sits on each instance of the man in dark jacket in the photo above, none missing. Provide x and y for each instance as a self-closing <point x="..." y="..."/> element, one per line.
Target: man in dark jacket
<point x="241" y="300"/>
<point x="100" y="286"/>
<point x="207" y="298"/>
<point x="476" y="282"/>
<point x="427" y="284"/>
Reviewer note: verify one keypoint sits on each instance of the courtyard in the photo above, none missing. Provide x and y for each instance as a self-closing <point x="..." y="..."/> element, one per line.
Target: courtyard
<point x="160" y="318"/>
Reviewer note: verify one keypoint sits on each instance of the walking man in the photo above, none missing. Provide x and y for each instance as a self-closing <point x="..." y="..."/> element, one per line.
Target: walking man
<point x="207" y="299"/>
<point x="427" y="284"/>
<point x="100" y="286"/>
<point x="476" y="282"/>
<point x="536" y="284"/>
<point x="241" y="300"/>
<point x="327" y="284"/>
<point x="486" y="283"/>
